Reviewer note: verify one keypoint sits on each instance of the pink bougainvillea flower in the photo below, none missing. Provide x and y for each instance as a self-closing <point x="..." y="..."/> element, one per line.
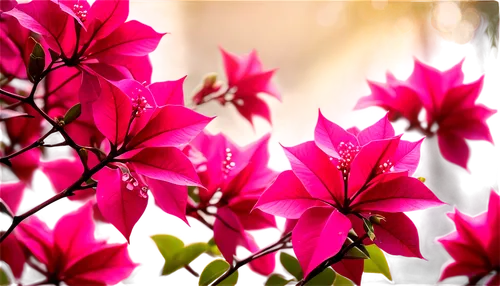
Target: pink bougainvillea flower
<point x="245" y="80"/>
<point x="448" y="102"/>
<point x="12" y="194"/>
<point x="92" y="40"/>
<point x="235" y="177"/>
<point x="338" y="182"/>
<point x="145" y="127"/>
<point x="475" y="245"/>
<point x="69" y="252"/>
<point x="329" y="135"/>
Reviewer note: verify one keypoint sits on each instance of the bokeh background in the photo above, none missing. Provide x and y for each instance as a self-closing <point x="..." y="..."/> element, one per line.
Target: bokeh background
<point x="324" y="52"/>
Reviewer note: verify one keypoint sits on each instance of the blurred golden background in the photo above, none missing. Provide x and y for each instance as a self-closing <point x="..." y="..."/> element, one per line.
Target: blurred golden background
<point x="324" y="51"/>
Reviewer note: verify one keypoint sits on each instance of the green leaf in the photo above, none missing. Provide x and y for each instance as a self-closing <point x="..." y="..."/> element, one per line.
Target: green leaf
<point x="213" y="250"/>
<point x="213" y="270"/>
<point x="8" y="114"/>
<point x="192" y="252"/>
<point x="73" y="113"/>
<point x="377" y="262"/>
<point x="4" y="277"/>
<point x="168" y="247"/>
<point x="367" y="225"/>
<point x="84" y="155"/>
<point x="276" y="280"/>
<point x="291" y="265"/>
<point x="36" y="64"/>
<point x="325" y="278"/>
<point x="342" y="281"/>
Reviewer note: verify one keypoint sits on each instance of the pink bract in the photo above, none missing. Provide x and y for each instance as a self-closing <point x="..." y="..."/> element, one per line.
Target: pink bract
<point x="447" y="101"/>
<point x="475" y="245"/>
<point x="237" y="175"/>
<point x="342" y="179"/>
<point x="246" y="79"/>
<point x="69" y="252"/>
<point x="145" y="126"/>
<point x="92" y="41"/>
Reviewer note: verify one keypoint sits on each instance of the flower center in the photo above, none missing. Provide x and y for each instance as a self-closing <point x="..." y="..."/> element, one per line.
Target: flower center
<point x="80" y="12"/>
<point x="347" y="152"/>
<point x="228" y="164"/>
<point x="132" y="184"/>
<point x="139" y="103"/>
<point x="385" y="167"/>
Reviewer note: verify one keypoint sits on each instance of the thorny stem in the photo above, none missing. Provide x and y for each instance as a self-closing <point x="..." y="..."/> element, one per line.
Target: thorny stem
<point x="327" y="263"/>
<point x="280" y="244"/>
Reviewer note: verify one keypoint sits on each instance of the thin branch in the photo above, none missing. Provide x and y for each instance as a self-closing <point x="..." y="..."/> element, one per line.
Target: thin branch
<point x="327" y="263"/>
<point x="13" y="95"/>
<point x="191" y="270"/>
<point x="65" y="193"/>
<point x="280" y="244"/>
<point x="37" y="143"/>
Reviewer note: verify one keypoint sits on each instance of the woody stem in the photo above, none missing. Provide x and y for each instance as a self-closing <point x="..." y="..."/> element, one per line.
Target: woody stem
<point x="280" y="244"/>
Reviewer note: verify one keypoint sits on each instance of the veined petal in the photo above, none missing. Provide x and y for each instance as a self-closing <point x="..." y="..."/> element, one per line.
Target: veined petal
<point x="316" y="171"/>
<point x="170" y="126"/>
<point x="401" y="194"/>
<point x="168" y="92"/>
<point x="328" y="136"/>
<point x="350" y="268"/>
<point x="407" y="156"/>
<point x="228" y="233"/>
<point x="397" y="235"/>
<point x="367" y="162"/>
<point x="286" y="197"/>
<point x="453" y="148"/>
<point x="166" y="164"/>
<point x="382" y="129"/>
<point x="171" y="198"/>
<point x="319" y="235"/>
<point x="105" y="16"/>
<point x="120" y="206"/>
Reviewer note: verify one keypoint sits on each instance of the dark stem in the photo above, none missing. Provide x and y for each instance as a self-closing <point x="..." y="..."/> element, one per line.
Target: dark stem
<point x="12" y="95"/>
<point x="37" y="143"/>
<point x="65" y="193"/>
<point x="327" y="263"/>
<point x="191" y="270"/>
<point x="280" y="244"/>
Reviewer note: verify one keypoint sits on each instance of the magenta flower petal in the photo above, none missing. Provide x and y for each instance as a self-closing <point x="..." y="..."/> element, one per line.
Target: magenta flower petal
<point x="35" y="235"/>
<point x="454" y="149"/>
<point x="168" y="92"/>
<point x="11" y="252"/>
<point x="316" y="171"/>
<point x="286" y="197"/>
<point x="251" y="220"/>
<point x="120" y="206"/>
<point x="382" y="129"/>
<point x="407" y="156"/>
<point x="350" y="268"/>
<point x="166" y="164"/>
<point x="170" y="126"/>
<point x="112" y="112"/>
<point x="105" y="16"/>
<point x="397" y="235"/>
<point x="329" y="135"/>
<point x="108" y="265"/>
<point x="12" y="194"/>
<point x="319" y="235"/>
<point x="368" y="160"/>
<point x="171" y="198"/>
<point x="493" y="221"/>
<point x="228" y="233"/>
<point x="459" y="269"/>
<point x="401" y="194"/>
<point x="130" y="39"/>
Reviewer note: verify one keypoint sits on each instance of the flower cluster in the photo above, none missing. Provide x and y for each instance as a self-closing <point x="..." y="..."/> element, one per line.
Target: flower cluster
<point x="80" y="75"/>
